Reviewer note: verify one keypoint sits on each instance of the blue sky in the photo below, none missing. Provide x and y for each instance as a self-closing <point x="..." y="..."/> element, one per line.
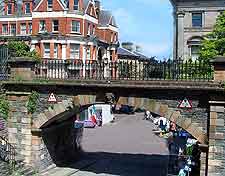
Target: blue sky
<point x="148" y="23"/>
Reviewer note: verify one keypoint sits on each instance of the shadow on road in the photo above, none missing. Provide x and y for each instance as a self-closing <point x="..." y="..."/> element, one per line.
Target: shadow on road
<point x="120" y="164"/>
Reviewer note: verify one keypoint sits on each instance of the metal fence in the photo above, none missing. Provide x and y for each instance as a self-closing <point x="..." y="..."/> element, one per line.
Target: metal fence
<point x="4" y="63"/>
<point x="7" y="151"/>
<point x="125" y="70"/>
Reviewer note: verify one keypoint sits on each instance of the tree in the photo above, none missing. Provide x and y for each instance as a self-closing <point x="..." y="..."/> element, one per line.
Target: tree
<point x="21" y="49"/>
<point x="214" y="43"/>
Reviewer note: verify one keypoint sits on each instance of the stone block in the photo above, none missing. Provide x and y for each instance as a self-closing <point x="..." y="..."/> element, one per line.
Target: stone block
<point x="175" y="116"/>
<point x="26" y="120"/>
<point x="36" y="141"/>
<point x="186" y="123"/>
<point x="151" y="105"/>
<point x="13" y="139"/>
<point x="12" y="98"/>
<point x="180" y="120"/>
<point x="25" y="131"/>
<point x="214" y="162"/>
<point x="163" y="110"/>
<point x="203" y="139"/>
<point x="217" y="109"/>
<point x="26" y="142"/>
<point x="27" y="159"/>
<point x="220" y="122"/>
<point x="216" y="149"/>
<point x="25" y="152"/>
<point x="76" y="100"/>
<point x="156" y="108"/>
<point x="12" y="130"/>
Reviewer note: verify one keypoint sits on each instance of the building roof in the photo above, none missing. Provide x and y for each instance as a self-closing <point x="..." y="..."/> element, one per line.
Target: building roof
<point x="124" y="52"/>
<point x="141" y="55"/>
<point x="105" y="17"/>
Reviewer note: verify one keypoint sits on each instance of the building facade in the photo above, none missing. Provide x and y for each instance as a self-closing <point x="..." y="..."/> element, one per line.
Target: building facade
<point x="61" y="29"/>
<point x="193" y="19"/>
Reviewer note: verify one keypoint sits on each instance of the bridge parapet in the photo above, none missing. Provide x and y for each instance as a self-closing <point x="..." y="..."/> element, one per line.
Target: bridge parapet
<point x="219" y="66"/>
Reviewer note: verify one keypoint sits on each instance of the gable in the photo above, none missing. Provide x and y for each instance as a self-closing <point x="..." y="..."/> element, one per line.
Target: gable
<point x="42" y="6"/>
<point x="112" y="21"/>
<point x="91" y="10"/>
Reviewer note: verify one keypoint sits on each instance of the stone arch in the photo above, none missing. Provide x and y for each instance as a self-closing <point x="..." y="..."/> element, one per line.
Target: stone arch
<point x="170" y="114"/>
<point x="147" y="104"/>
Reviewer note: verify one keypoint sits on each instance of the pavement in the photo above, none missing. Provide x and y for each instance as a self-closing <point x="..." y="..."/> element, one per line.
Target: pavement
<point x="127" y="147"/>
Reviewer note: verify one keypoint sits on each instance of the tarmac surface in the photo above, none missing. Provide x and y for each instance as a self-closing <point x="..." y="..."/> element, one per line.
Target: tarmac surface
<point x="127" y="147"/>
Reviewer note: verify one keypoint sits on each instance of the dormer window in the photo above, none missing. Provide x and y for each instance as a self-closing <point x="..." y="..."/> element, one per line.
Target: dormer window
<point x="27" y="8"/>
<point x="9" y="10"/>
<point x="49" y="5"/>
<point x="76" y="5"/>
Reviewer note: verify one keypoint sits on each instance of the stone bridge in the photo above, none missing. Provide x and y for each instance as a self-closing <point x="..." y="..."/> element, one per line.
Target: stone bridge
<point x="47" y="135"/>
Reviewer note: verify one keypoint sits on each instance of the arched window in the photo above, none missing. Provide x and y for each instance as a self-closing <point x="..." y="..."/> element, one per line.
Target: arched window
<point x="194" y="44"/>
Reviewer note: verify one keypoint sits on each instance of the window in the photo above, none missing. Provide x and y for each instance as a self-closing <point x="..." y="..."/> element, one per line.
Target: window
<point x="27" y="8"/>
<point x="47" y="50"/>
<point x="42" y="26"/>
<point x="93" y="29"/>
<point x="89" y="29"/>
<point x="9" y="12"/>
<point x="76" y="5"/>
<point x="112" y="37"/>
<point x="88" y="56"/>
<point x="55" y="25"/>
<point x="5" y="29"/>
<point x="30" y="28"/>
<point x="111" y="55"/>
<point x="195" y="51"/>
<point x="49" y="5"/>
<point x="13" y="29"/>
<point x="196" y="19"/>
<point x="115" y="37"/>
<point x="74" y="51"/>
<point x="55" y="50"/>
<point x="23" y="30"/>
<point x="76" y="26"/>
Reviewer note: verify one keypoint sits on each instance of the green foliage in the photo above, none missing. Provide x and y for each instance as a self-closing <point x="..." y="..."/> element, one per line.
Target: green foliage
<point x="4" y="107"/>
<point x="21" y="49"/>
<point x="32" y="102"/>
<point x="214" y="44"/>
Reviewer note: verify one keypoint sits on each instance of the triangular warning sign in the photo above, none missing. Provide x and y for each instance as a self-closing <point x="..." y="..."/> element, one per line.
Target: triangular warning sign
<point x="52" y="98"/>
<point x="185" y="103"/>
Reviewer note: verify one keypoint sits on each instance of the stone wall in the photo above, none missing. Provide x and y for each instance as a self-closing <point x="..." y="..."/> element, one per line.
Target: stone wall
<point x="197" y="114"/>
<point x="56" y="145"/>
<point x="216" y="163"/>
<point x="19" y="125"/>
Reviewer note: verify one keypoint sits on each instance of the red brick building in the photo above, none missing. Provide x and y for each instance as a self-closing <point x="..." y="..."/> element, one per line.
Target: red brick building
<point x="62" y="29"/>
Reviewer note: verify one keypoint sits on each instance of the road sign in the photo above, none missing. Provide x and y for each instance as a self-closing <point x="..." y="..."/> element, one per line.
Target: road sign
<point x="185" y="103"/>
<point x="52" y="98"/>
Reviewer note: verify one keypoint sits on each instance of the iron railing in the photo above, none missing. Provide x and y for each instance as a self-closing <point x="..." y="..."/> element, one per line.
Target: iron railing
<point x="125" y="70"/>
<point x="4" y="63"/>
<point x="7" y="151"/>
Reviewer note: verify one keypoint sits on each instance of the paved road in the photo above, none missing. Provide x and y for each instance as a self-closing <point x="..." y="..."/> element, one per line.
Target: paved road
<point x="127" y="148"/>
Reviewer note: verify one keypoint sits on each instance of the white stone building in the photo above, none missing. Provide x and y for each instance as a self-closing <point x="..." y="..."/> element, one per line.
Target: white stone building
<point x="192" y="20"/>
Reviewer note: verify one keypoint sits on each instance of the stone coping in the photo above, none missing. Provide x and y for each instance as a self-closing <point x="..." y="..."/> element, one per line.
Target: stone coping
<point x="21" y="60"/>
<point x="157" y="85"/>
<point x="218" y="60"/>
